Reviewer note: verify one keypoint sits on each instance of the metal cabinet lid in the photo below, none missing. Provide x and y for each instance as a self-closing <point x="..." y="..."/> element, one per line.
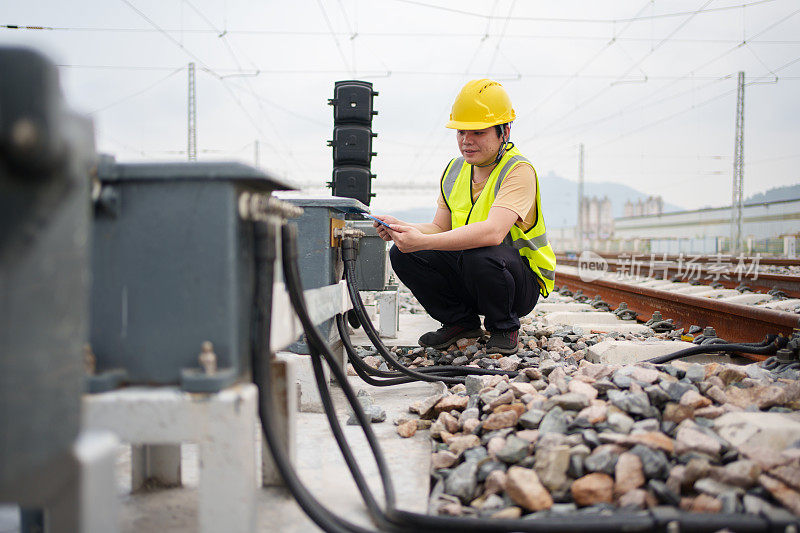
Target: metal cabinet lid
<point x="108" y="170"/>
<point x="340" y="203"/>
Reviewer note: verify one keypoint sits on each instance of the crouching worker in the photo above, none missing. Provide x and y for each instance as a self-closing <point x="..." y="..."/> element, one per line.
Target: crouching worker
<point x="486" y="251"/>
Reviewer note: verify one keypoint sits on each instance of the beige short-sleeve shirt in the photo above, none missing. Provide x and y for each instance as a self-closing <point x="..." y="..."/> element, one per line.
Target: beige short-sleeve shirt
<point x="517" y="193"/>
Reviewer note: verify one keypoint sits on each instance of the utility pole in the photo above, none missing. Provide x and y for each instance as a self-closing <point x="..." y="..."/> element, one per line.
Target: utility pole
<point x="579" y="228"/>
<point x="738" y="171"/>
<point x="256" y="155"/>
<point x="191" y="150"/>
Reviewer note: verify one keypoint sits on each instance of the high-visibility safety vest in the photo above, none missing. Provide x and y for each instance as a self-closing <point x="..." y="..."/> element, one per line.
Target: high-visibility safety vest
<point x="532" y="244"/>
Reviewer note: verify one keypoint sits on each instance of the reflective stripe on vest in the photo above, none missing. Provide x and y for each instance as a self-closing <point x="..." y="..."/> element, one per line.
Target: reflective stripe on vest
<point x="532" y="245"/>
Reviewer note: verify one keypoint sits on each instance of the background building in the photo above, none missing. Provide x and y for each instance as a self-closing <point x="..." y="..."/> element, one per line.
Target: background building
<point x="767" y="227"/>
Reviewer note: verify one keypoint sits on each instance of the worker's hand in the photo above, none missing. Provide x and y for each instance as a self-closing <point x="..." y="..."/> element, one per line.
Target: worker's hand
<point x="408" y="238"/>
<point x="384" y="233"/>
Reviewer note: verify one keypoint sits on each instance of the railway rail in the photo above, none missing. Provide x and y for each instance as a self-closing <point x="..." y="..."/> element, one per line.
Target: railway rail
<point x="703" y="269"/>
<point x="733" y="322"/>
<point x="772" y="261"/>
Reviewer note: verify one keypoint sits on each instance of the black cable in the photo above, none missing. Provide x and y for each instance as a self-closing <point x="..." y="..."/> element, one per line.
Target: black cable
<point x="355" y="471"/>
<point x="320" y="348"/>
<point x="265" y="238"/>
<point x="369" y="329"/>
<point x="349" y="257"/>
<point x="362" y="368"/>
<point x="653" y="520"/>
<point x="769" y="346"/>
<point x="418" y="522"/>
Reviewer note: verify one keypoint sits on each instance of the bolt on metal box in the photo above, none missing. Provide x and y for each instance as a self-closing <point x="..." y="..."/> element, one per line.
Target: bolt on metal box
<point x="173" y="266"/>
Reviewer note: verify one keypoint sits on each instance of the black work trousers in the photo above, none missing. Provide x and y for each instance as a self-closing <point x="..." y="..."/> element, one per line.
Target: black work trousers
<point x="456" y="287"/>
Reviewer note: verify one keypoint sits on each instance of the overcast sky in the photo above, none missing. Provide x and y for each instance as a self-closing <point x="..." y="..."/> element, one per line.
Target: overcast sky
<point x="649" y="87"/>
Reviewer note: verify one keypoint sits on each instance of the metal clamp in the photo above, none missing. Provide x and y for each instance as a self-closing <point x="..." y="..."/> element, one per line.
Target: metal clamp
<point x="348" y="232"/>
<point x="658" y="324"/>
<point x="259" y="206"/>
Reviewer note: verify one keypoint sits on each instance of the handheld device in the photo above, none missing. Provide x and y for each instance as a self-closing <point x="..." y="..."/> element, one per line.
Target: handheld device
<point x="365" y="214"/>
<point x="376" y="219"/>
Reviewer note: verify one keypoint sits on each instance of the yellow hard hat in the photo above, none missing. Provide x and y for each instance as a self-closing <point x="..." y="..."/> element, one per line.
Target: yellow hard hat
<point x="480" y="104"/>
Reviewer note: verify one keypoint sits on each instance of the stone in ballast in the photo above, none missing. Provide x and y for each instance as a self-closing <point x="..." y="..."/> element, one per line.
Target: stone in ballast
<point x="776" y="431"/>
<point x="592" y="489"/>
<point x="462" y="481"/>
<point x="525" y="489"/>
<point x="617" y="352"/>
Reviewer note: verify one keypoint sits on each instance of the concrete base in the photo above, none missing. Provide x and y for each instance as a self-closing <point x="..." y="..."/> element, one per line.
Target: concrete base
<point x="629" y="352"/>
<point x="721" y="358"/>
<point x="222" y="424"/>
<point x="691" y="289"/>
<point x="657" y="283"/>
<point x="286" y="398"/>
<point x="155" y="464"/>
<point x="718" y="293"/>
<point x="554" y="307"/>
<point x="309" y="399"/>
<point x="748" y="299"/>
<point x="74" y="493"/>
<point x="579" y="319"/>
<point x="411" y="327"/>
<point x="388" y="313"/>
<point x="318" y="464"/>
<point x="623" y="326"/>
<point x="784" y="305"/>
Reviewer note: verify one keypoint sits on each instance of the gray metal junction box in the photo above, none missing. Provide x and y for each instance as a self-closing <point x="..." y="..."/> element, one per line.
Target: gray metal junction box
<point x="372" y="265"/>
<point x="319" y="261"/>
<point x="173" y="266"/>
<point x="46" y="153"/>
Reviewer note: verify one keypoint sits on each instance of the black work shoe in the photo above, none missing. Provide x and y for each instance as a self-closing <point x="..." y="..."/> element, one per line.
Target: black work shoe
<point x="505" y="342"/>
<point x="447" y="335"/>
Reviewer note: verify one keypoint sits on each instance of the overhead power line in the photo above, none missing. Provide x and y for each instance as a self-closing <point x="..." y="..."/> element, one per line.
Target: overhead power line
<point x="164" y="33"/>
<point x="209" y="70"/>
<point x="667" y="118"/>
<point x="771" y="159"/>
<point x="628" y="110"/>
<point x="690" y="75"/>
<point x="502" y="34"/>
<point x="285" y="149"/>
<point x="225" y="73"/>
<point x="137" y="93"/>
<point x="585" y="65"/>
<point x="623" y="76"/>
<point x="386" y="35"/>
<point x="682" y="111"/>
<point x="335" y="39"/>
<point x="587" y="20"/>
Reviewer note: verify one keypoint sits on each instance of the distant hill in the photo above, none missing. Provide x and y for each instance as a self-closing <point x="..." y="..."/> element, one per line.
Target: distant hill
<point x="559" y="201"/>
<point x="787" y="192"/>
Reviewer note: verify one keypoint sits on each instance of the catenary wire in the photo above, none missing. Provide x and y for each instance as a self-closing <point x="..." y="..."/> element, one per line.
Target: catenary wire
<point x="137" y="93"/>
<point x="605" y="89"/>
<point x="587" y="20"/>
<point x="387" y="34"/>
